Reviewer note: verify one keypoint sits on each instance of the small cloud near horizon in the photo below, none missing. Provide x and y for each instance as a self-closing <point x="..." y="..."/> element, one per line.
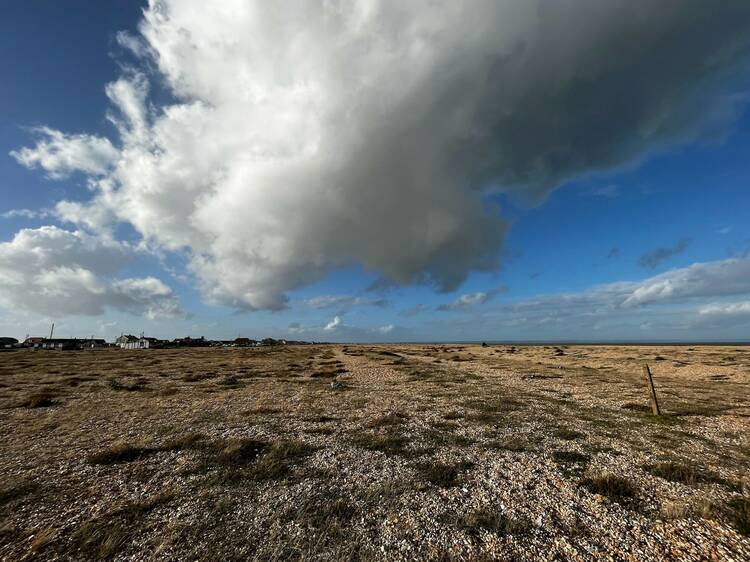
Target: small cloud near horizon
<point x="333" y="324"/>
<point x="470" y="300"/>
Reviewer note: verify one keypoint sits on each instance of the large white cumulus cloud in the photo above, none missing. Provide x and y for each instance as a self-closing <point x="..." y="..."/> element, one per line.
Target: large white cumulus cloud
<point x="57" y="272"/>
<point x="304" y="136"/>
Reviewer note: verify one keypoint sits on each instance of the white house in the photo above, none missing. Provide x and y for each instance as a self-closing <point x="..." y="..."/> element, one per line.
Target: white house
<point x="142" y="343"/>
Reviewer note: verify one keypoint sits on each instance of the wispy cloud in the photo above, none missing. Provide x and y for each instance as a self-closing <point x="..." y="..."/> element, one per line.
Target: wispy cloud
<point x="133" y="43"/>
<point x="727" y="309"/>
<point x="671" y="304"/>
<point x="415" y="310"/>
<point x="27" y="214"/>
<point x="652" y="259"/>
<point x="699" y="281"/>
<point x="607" y="191"/>
<point x="471" y="300"/>
<point x="344" y="302"/>
<point x="721" y="315"/>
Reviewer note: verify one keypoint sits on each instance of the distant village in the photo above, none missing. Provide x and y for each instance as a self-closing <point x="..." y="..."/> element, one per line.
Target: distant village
<point x="128" y="341"/>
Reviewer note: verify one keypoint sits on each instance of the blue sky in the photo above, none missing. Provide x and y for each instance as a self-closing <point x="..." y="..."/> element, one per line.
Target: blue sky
<point x="254" y="254"/>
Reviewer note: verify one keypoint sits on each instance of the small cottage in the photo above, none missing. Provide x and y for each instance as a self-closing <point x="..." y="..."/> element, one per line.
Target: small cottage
<point x="143" y="343"/>
<point x="125" y="339"/>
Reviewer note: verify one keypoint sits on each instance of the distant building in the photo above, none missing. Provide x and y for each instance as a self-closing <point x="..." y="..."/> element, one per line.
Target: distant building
<point x="93" y="343"/>
<point x="32" y="341"/>
<point x="8" y="343"/>
<point x="191" y="342"/>
<point x="125" y="339"/>
<point x="58" y="344"/>
<point x="143" y="343"/>
<point x="244" y="342"/>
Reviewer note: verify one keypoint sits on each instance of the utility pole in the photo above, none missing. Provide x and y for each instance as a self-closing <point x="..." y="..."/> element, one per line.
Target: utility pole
<point x="52" y="330"/>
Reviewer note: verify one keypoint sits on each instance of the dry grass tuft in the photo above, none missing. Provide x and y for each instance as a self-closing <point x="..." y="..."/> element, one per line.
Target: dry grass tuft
<point x="137" y="385"/>
<point x="386" y="490"/>
<point x="574" y="457"/>
<point x="42" y="539"/>
<point x="119" y="452"/>
<point x="230" y="381"/>
<point x="494" y="521"/>
<point x="185" y="441"/>
<point x="568" y="434"/>
<point x="250" y="459"/>
<point x="261" y="410"/>
<point x="278" y="461"/>
<point x="104" y="536"/>
<point x="390" y="442"/>
<point x="239" y="452"/>
<point x="636" y="407"/>
<point x="680" y="509"/>
<point x="198" y="377"/>
<point x="495" y="406"/>
<point x="674" y="472"/>
<point x="614" y="487"/>
<point x="322" y="513"/>
<point x="683" y="473"/>
<point x="514" y="444"/>
<point x="391" y="419"/>
<point x="740" y="514"/>
<point x="444" y="475"/>
<point x="41" y="399"/>
<point x="14" y="489"/>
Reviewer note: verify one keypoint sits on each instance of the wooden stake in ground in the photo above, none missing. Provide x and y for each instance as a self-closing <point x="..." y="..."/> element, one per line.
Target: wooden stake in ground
<point x="651" y="390"/>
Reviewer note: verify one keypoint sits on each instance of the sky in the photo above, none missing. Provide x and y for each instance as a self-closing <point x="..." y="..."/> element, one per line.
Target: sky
<point x="376" y="170"/>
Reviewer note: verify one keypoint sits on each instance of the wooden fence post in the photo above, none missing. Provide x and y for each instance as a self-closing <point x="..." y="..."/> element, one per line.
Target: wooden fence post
<point x="651" y="390"/>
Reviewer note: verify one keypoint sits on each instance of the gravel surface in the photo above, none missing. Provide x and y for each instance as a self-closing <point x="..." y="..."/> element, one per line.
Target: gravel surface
<point x="422" y="452"/>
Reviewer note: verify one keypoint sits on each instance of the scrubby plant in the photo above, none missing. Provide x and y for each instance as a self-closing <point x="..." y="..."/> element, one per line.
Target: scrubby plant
<point x="614" y="487"/>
